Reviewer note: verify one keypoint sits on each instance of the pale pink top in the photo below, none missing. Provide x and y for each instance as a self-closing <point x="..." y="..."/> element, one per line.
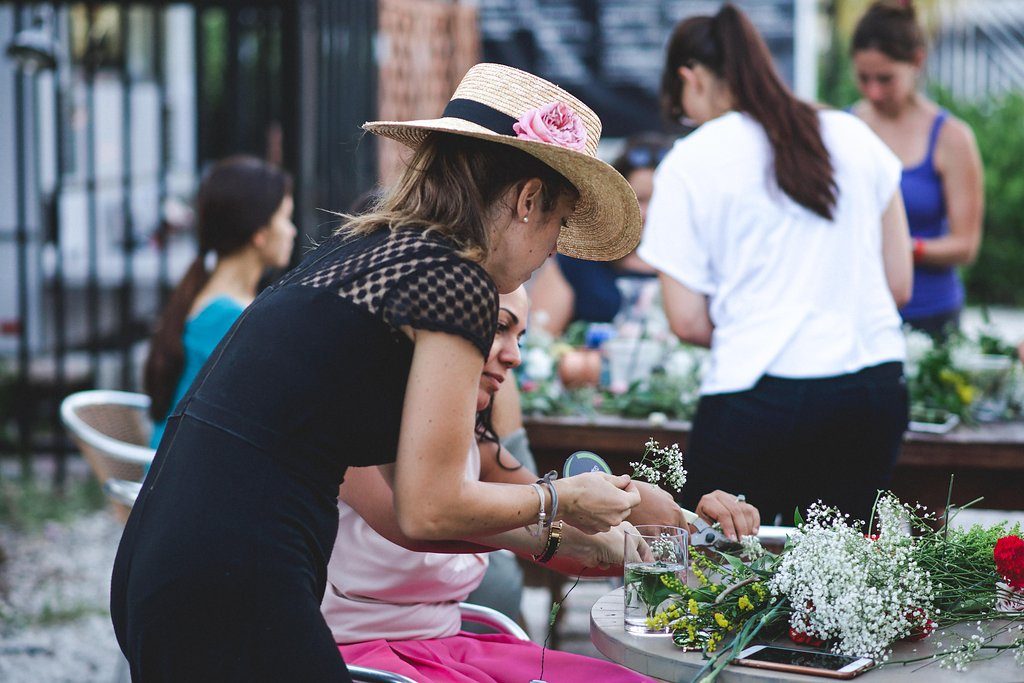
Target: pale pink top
<point x="377" y="589"/>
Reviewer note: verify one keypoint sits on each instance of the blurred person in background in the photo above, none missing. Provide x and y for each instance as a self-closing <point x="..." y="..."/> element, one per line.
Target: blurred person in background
<point x="780" y="236"/>
<point x="569" y="289"/>
<point x="942" y="180"/>
<point x="244" y="218"/>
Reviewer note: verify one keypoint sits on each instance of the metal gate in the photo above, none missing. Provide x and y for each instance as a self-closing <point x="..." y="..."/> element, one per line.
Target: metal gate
<point x="108" y="114"/>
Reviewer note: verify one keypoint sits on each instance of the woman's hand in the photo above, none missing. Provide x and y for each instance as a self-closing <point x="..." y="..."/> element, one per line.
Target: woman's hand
<point x="737" y="517"/>
<point x="602" y="550"/>
<point x="595" y="501"/>
<point x="657" y="506"/>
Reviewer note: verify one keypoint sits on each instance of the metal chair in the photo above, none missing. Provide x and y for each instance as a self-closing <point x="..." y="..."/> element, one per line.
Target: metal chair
<point x="112" y="430"/>
<point x="362" y="674"/>
<point x="122" y="492"/>
<point x="477" y="614"/>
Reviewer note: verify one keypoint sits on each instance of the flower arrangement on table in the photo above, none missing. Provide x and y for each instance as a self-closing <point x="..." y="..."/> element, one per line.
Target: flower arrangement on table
<point x="668" y="392"/>
<point x="853" y="589"/>
<point x="943" y="379"/>
<point x="949" y="378"/>
<point x="834" y="586"/>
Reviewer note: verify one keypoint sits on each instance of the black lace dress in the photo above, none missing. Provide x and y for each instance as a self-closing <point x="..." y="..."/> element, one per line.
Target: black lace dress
<point x="223" y="562"/>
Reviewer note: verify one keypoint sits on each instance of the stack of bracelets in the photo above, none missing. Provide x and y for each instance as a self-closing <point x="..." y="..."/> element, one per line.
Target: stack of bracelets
<point x="546" y="521"/>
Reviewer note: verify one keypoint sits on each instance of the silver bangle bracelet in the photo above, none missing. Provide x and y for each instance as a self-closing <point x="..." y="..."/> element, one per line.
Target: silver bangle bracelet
<point x="540" y="515"/>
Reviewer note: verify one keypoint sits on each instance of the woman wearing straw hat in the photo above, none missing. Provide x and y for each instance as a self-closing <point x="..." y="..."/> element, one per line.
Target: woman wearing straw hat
<point x="368" y="353"/>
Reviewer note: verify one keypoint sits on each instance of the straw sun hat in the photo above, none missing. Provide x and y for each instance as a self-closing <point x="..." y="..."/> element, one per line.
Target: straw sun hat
<point x="515" y="108"/>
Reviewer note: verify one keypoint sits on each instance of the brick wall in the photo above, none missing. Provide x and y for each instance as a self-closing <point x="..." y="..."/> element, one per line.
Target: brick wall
<point x="426" y="46"/>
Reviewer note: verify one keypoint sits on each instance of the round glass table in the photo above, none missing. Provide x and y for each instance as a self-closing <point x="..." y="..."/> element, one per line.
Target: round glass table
<point x="656" y="656"/>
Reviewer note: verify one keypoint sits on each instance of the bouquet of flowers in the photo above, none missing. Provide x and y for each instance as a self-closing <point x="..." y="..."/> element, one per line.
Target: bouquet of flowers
<point x="857" y="593"/>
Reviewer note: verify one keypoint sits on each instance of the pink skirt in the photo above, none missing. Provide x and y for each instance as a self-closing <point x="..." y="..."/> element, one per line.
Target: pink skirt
<point x="483" y="658"/>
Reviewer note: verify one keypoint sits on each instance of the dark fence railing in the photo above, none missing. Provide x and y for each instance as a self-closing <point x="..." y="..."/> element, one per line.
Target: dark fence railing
<point x="110" y="112"/>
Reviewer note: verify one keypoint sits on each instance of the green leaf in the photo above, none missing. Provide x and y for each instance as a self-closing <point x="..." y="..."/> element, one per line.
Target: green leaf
<point x="735" y="562"/>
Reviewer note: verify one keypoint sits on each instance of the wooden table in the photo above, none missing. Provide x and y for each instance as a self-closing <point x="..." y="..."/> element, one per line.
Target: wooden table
<point x="987" y="460"/>
<point x="656" y="656"/>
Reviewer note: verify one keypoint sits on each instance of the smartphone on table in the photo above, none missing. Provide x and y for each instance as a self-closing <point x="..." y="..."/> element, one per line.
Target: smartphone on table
<point x="797" y="661"/>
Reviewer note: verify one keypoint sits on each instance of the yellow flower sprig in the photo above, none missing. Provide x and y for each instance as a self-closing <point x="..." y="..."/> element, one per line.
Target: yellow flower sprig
<point x="724" y="599"/>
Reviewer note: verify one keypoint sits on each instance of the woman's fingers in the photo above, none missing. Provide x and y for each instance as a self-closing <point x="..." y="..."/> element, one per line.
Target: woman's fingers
<point x="736" y="517"/>
<point x="596" y="501"/>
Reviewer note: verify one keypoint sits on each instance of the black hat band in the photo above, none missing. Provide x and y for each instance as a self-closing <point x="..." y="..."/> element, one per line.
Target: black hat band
<point x="480" y="114"/>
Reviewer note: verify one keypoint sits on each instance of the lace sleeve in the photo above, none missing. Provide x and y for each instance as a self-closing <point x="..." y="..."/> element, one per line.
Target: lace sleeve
<point x="446" y="295"/>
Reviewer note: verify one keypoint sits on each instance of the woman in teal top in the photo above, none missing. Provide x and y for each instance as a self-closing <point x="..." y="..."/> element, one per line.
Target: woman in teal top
<point x="244" y="209"/>
<point x="202" y="334"/>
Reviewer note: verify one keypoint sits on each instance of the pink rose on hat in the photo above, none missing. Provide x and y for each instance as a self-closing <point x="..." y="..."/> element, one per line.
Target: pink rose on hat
<point x="553" y="123"/>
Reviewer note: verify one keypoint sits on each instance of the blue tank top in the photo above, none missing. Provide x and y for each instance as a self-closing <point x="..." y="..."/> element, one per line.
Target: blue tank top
<point x="937" y="290"/>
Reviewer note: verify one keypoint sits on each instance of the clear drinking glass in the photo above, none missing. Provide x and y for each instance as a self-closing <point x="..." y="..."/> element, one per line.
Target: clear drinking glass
<point x="630" y="360"/>
<point x="991" y="378"/>
<point x="656" y="562"/>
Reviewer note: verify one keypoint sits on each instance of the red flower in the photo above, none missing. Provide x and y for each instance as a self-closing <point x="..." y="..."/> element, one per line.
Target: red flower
<point x="1009" y="557"/>
<point x="797" y="633"/>
<point x="922" y="626"/>
<point x="801" y="638"/>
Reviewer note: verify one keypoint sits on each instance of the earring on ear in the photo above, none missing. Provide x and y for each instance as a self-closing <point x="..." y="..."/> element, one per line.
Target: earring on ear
<point x="526" y="219"/>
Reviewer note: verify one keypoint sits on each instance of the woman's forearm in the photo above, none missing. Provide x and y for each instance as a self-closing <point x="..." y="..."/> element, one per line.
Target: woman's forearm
<point x="949" y="250"/>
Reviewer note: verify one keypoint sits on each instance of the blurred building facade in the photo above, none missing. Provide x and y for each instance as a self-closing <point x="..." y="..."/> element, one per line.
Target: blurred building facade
<point x="109" y="113"/>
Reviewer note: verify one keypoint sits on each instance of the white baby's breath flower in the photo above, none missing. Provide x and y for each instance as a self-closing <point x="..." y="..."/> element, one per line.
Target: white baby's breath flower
<point x="850" y="588"/>
<point x="752" y="548"/>
<point x="661" y="464"/>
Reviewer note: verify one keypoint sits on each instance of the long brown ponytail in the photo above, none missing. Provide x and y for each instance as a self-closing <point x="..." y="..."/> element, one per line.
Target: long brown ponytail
<point x="236" y="199"/>
<point x="730" y="46"/>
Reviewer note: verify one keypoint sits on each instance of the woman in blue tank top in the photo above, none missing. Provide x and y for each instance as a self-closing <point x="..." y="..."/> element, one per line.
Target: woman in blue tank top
<point x="942" y="182"/>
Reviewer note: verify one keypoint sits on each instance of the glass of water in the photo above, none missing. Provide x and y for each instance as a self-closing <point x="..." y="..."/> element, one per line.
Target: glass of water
<point x="655" y="566"/>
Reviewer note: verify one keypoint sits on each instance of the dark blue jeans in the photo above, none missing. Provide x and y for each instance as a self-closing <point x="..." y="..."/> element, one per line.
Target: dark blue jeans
<point x="787" y="443"/>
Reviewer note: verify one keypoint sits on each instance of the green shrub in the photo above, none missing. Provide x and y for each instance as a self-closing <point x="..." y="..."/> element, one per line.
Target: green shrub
<point x="28" y="503"/>
<point x="997" y="277"/>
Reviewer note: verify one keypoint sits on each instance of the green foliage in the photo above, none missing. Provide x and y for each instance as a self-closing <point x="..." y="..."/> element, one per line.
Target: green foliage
<point x="992" y="345"/>
<point x="576" y="334"/>
<point x="27" y="504"/>
<point x="998" y="274"/>
<point x="659" y="393"/>
<point x="939" y="386"/>
<point x="836" y="83"/>
<point x="963" y="569"/>
<point x="550" y="399"/>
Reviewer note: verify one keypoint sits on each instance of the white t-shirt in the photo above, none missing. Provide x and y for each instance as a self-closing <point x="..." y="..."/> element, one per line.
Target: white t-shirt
<point x="790" y="293"/>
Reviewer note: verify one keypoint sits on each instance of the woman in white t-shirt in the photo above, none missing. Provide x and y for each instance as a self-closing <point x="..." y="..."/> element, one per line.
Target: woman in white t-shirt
<point x="781" y="239"/>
